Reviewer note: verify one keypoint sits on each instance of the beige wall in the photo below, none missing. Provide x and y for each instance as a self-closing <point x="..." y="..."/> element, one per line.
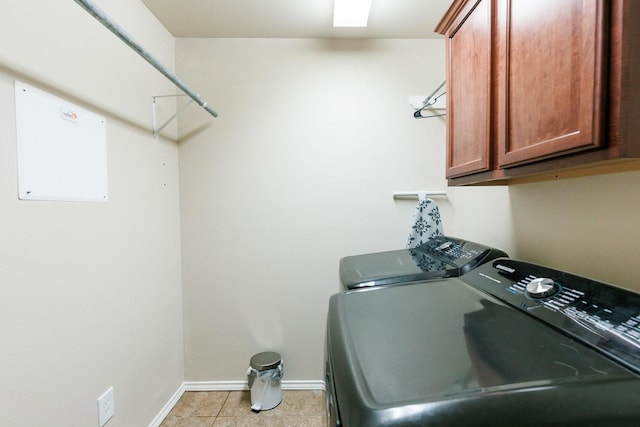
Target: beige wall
<point x="584" y="225"/>
<point x="90" y="293"/>
<point x="298" y="171"/>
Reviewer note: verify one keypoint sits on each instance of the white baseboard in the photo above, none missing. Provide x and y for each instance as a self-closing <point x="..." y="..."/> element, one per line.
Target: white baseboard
<point x="242" y="385"/>
<point x="303" y="385"/>
<point x="168" y="407"/>
<point x="227" y="386"/>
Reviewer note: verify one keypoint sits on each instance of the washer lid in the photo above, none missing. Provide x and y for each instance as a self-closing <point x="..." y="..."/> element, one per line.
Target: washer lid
<point x="444" y="353"/>
<point x="383" y="268"/>
<point x="438" y="339"/>
<point x="265" y="360"/>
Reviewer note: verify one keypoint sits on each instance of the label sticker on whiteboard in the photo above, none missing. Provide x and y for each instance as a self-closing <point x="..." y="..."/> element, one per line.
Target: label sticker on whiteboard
<point x="69" y="115"/>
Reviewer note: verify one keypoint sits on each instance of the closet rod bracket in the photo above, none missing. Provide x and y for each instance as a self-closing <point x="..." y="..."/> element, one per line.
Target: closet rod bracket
<point x="157" y="129"/>
<point x="428" y="104"/>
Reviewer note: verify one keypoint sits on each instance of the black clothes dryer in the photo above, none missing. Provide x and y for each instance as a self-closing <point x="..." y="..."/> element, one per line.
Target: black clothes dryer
<point x="441" y="256"/>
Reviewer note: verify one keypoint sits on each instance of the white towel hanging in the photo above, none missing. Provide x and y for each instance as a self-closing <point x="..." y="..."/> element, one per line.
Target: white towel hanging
<point x="426" y="222"/>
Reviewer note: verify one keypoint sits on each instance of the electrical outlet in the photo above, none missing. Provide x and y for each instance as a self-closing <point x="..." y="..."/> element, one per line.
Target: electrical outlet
<point x="105" y="407"/>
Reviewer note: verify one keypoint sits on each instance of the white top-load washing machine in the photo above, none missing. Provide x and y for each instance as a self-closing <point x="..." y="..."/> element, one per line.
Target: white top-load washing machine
<point x="441" y="256"/>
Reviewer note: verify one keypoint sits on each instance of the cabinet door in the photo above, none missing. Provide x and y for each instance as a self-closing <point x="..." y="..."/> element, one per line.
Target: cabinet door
<point x="550" y="78"/>
<point x="468" y="91"/>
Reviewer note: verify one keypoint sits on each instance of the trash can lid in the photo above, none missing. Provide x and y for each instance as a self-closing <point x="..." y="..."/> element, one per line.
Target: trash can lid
<point x="266" y="360"/>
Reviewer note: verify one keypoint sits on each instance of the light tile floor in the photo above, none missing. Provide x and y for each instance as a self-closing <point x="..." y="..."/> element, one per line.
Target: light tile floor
<point x="233" y="409"/>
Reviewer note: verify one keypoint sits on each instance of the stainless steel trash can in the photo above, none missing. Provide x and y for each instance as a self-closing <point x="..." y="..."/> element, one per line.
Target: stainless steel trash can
<point x="265" y="372"/>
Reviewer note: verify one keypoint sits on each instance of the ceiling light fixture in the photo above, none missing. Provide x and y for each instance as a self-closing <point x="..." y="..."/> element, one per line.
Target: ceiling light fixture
<point x="351" y="13"/>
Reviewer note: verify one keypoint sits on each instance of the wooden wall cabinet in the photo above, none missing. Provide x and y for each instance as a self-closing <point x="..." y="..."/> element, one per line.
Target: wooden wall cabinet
<point x="468" y="106"/>
<point x="540" y="87"/>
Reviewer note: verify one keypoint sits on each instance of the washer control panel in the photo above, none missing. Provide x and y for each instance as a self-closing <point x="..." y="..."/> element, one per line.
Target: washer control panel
<point x="463" y="254"/>
<point x="602" y="315"/>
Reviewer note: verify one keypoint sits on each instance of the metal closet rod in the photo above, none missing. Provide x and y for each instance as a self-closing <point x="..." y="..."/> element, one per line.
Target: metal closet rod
<point x="105" y="20"/>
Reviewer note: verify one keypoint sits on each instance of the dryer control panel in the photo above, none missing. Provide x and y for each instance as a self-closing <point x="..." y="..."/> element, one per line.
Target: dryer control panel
<point x="462" y="254"/>
<point x="602" y="315"/>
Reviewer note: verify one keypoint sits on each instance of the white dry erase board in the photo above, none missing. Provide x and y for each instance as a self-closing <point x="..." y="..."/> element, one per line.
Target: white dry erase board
<point x="62" y="149"/>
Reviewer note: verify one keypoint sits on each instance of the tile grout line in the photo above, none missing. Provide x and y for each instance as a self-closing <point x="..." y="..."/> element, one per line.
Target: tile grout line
<point x="221" y="408"/>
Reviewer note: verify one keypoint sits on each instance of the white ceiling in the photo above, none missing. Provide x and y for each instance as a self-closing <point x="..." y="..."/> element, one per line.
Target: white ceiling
<point x="407" y="19"/>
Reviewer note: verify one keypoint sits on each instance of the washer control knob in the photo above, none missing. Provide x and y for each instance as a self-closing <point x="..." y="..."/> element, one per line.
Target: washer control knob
<point x="445" y="246"/>
<point x="541" y="287"/>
